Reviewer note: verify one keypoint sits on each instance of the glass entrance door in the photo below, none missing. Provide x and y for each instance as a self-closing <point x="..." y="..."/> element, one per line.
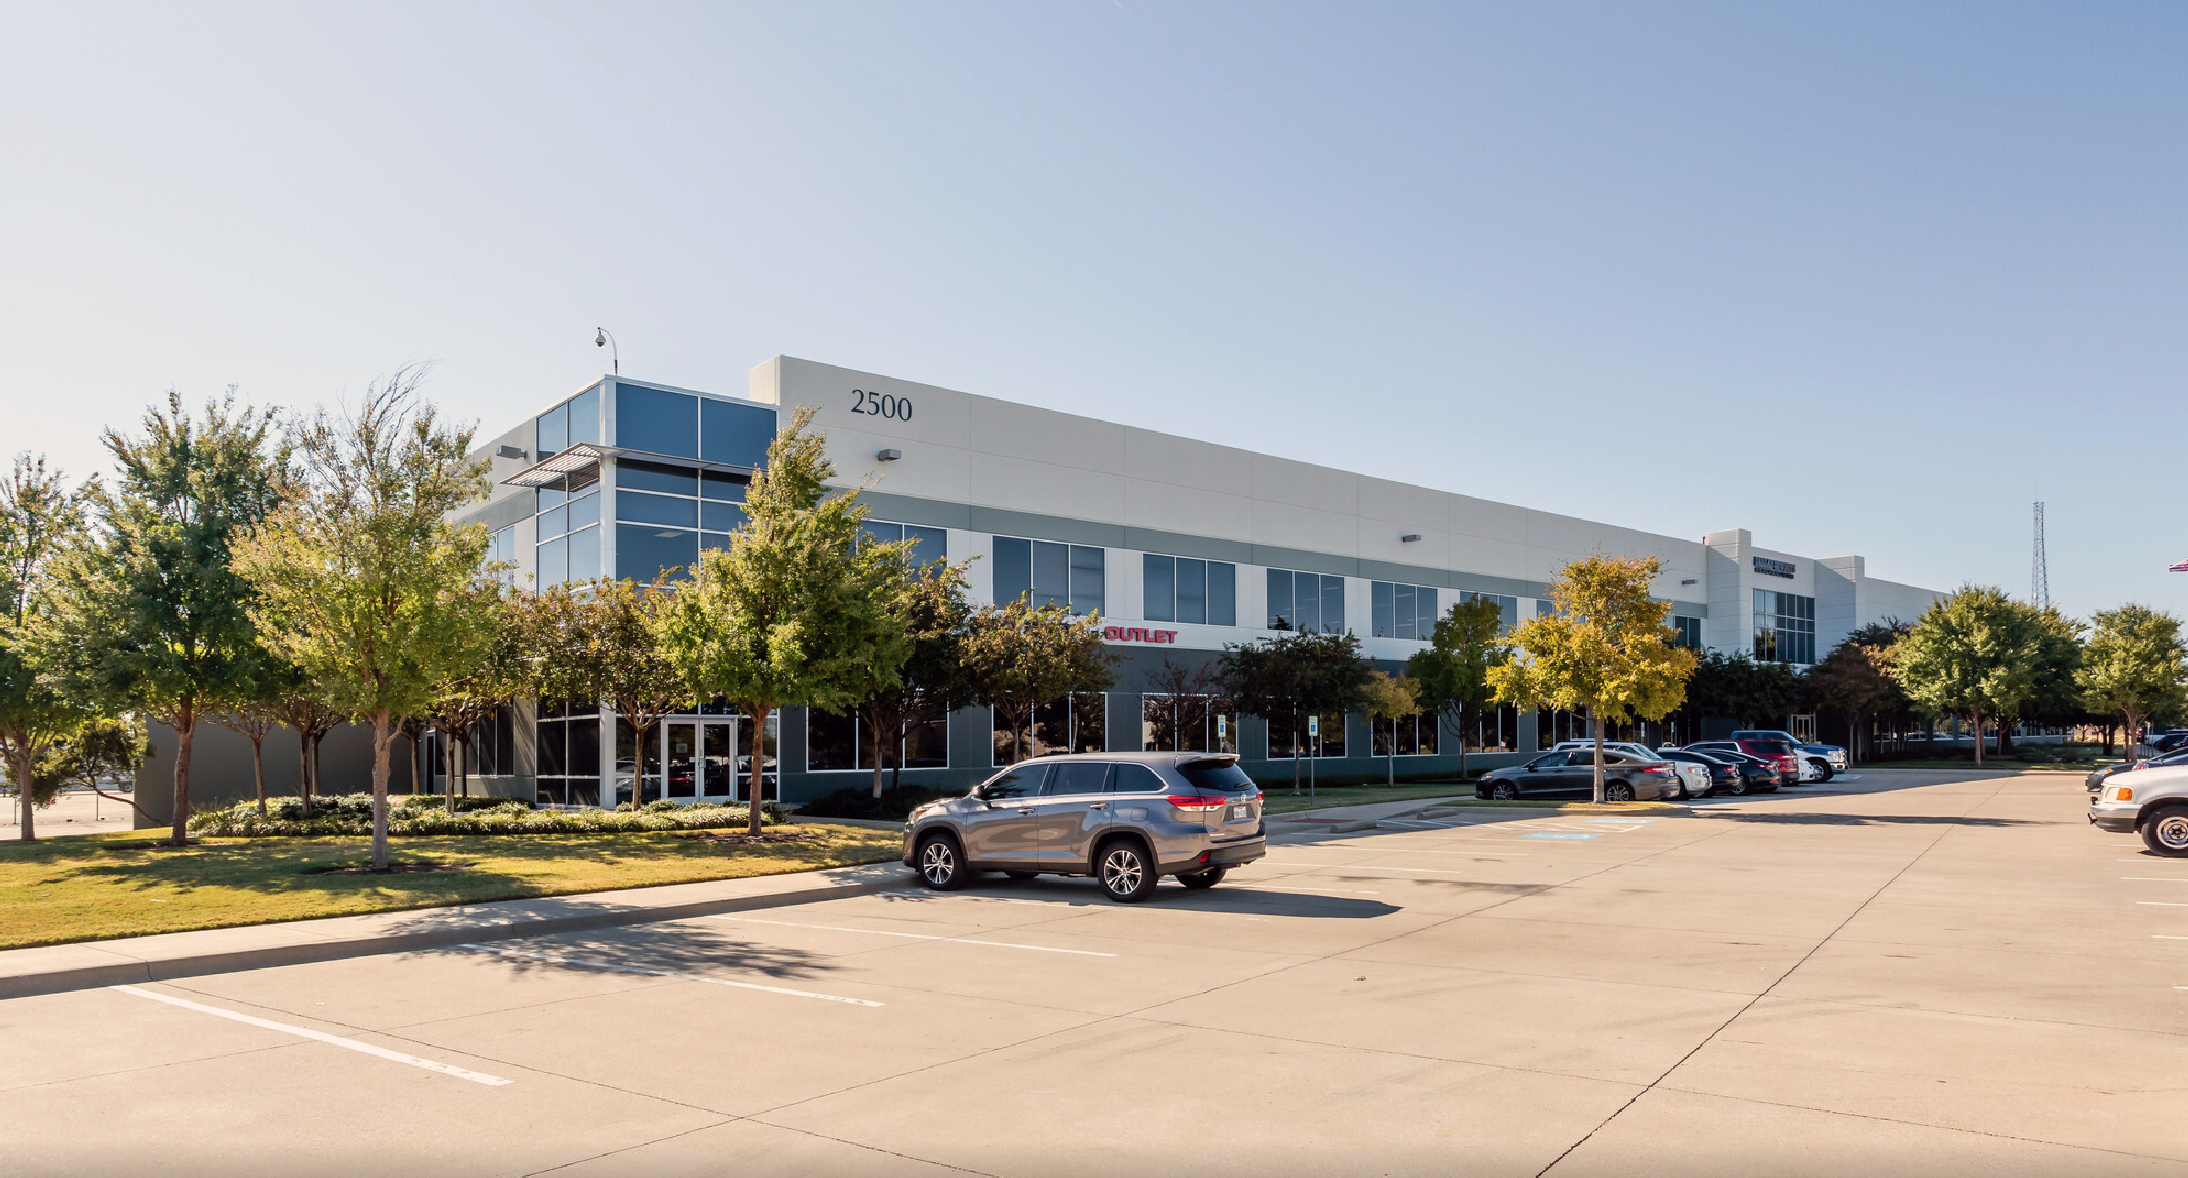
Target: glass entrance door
<point x="717" y="763"/>
<point x="680" y="758"/>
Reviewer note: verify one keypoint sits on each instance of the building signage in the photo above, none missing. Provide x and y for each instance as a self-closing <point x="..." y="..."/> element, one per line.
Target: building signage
<point x="1774" y="568"/>
<point x="1139" y="634"/>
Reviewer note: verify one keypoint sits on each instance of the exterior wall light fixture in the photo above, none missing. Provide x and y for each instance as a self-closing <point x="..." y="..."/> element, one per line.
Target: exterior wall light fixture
<point x="1410" y="538"/>
<point x="516" y="452"/>
<point x="1688" y="581"/>
<point x="888" y="455"/>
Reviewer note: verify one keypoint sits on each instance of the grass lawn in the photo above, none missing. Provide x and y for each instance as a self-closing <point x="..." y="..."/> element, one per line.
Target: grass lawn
<point x="1276" y="798"/>
<point x="121" y="884"/>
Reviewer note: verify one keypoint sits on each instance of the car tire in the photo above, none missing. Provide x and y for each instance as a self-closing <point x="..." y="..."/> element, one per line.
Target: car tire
<point x="1203" y="879"/>
<point x="940" y="863"/>
<point x="1739" y="788"/>
<point x="1504" y="791"/>
<point x="1824" y="771"/>
<point x="1617" y="791"/>
<point x="1022" y="874"/>
<point x="1125" y="871"/>
<point x="2166" y="831"/>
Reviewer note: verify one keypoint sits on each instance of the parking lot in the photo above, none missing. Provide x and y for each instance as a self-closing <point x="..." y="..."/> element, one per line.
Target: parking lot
<point x="1906" y="973"/>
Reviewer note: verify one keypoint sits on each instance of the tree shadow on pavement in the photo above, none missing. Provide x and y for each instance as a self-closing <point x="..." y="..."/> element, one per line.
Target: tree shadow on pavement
<point x="1240" y="896"/>
<point x="684" y="949"/>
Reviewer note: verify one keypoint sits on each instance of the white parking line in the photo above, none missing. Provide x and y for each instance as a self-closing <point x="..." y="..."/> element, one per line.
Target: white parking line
<point x="2163" y="937"/>
<point x="1372" y="867"/>
<point x="557" y="959"/>
<point x="2158" y="878"/>
<point x="875" y="932"/>
<point x="2163" y="903"/>
<point x="1427" y="851"/>
<point x="318" y="1037"/>
<point x="1279" y="888"/>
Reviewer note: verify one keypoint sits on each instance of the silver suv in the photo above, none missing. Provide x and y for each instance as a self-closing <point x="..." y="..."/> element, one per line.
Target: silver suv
<point x="2152" y="803"/>
<point x="1127" y="819"/>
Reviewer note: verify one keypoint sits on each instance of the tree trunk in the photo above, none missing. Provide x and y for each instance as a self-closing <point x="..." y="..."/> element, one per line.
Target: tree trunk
<point x="2127" y="734"/>
<point x="1390" y="766"/>
<point x="877" y="756"/>
<point x="1977" y="722"/>
<point x="1462" y="745"/>
<point x="303" y="770"/>
<point x="2005" y="736"/>
<point x="759" y="765"/>
<point x="258" y="771"/>
<point x="24" y="830"/>
<point x="185" y="731"/>
<point x="448" y="768"/>
<point x="383" y="750"/>
<point x="896" y="767"/>
<point x="1598" y="730"/>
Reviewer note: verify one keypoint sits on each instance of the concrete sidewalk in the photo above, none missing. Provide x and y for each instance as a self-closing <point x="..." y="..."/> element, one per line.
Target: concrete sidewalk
<point x="165" y="956"/>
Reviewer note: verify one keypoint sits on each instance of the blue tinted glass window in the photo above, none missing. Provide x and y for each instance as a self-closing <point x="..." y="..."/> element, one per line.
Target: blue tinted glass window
<point x="554" y="432"/>
<point x="722" y="486"/>
<point x="1402" y="615"/>
<point x="584" y="511"/>
<point x="584" y="410"/>
<point x="1382" y="616"/>
<point x="877" y="532"/>
<point x="720" y="517"/>
<point x="1281" y="614"/>
<point x="652" y="476"/>
<point x="1333" y="609"/>
<point x="640" y="508"/>
<point x="1089" y="580"/>
<point x="928" y="543"/>
<point x="642" y="552"/>
<point x="1192" y="590"/>
<point x="1222" y="594"/>
<point x="656" y="421"/>
<point x="554" y="563"/>
<point x="1424" y="626"/>
<point x="1158" y="577"/>
<point x="1051" y="574"/>
<point x="1307" y="601"/>
<point x="712" y="540"/>
<point x="1013" y="569"/>
<point x="547" y="497"/>
<point x="585" y="554"/>
<point x="736" y="434"/>
<point x="553" y="523"/>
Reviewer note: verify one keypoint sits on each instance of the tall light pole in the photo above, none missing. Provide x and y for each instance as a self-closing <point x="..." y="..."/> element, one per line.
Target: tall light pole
<point x="601" y="339"/>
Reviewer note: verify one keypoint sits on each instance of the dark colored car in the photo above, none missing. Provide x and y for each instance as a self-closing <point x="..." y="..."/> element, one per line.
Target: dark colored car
<point x="2098" y="776"/>
<point x="1724" y="775"/>
<point x="2167" y="742"/>
<point x="1774" y="752"/>
<point x="1626" y="778"/>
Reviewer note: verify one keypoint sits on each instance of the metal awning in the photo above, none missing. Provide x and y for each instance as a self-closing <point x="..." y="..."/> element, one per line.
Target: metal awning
<point x="585" y="454"/>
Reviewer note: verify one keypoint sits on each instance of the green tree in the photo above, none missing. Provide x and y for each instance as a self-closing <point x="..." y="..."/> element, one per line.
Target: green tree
<point x="1856" y="682"/>
<point x="1735" y="687"/>
<point x="1975" y="655"/>
<point x="1018" y="657"/>
<point x="361" y="576"/>
<point x="253" y="720"/>
<point x="2135" y="667"/>
<point x="311" y="717"/>
<point x="1452" y="675"/>
<point x="103" y="748"/>
<point x="794" y="610"/>
<point x="597" y="642"/>
<point x="936" y="618"/>
<point x="2054" y="695"/>
<point x="158" y="618"/>
<point x="1288" y="677"/>
<point x="1605" y="652"/>
<point x="1391" y="698"/>
<point x="484" y="668"/>
<point x="41" y="519"/>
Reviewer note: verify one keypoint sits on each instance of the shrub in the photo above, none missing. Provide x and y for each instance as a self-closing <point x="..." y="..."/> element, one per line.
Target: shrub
<point x="351" y="814"/>
<point x="893" y="804"/>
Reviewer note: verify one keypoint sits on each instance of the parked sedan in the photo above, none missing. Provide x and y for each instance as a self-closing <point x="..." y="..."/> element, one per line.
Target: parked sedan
<point x="1724" y="775"/>
<point x="1626" y="778"/>
<point x="1777" y="753"/>
<point x="1692" y="781"/>
<point x="2103" y="773"/>
<point x="1819" y="761"/>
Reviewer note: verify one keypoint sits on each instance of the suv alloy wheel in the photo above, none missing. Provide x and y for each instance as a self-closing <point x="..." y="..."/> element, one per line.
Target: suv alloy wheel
<point x="941" y="867"/>
<point x="1125" y="871"/>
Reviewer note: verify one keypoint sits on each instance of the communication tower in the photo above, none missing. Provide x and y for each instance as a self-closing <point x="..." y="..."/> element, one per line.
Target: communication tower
<point x="2039" y="572"/>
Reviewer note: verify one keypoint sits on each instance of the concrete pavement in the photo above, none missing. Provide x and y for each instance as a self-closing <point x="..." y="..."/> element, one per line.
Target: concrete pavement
<point x="1913" y="973"/>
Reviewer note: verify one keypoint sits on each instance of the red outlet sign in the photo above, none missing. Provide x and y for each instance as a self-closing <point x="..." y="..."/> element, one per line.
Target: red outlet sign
<point x="1140" y="634"/>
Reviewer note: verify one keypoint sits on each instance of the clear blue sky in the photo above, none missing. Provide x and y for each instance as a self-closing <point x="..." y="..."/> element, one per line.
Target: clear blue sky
<point x="1866" y="279"/>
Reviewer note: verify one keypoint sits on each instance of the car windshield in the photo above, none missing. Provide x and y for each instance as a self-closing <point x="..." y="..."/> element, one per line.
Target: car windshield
<point x="1217" y="777"/>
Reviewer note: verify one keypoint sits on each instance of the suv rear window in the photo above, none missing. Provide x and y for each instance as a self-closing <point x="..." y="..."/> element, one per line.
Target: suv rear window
<point x="1772" y="748"/>
<point x="1228" y="779"/>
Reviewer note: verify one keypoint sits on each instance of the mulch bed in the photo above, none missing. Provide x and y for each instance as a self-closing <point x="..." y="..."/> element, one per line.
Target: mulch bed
<point x="739" y="838"/>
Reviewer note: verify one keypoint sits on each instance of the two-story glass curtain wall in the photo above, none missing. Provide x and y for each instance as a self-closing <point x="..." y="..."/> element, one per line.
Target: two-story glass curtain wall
<point x="688" y="758"/>
<point x="665" y="514"/>
<point x="566" y="522"/>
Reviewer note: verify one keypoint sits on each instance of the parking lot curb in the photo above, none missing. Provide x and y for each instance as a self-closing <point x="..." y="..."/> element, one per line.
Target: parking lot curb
<point x="52" y="969"/>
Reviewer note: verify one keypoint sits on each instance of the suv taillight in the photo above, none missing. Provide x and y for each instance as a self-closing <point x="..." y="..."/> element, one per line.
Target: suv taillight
<point x="1197" y="803"/>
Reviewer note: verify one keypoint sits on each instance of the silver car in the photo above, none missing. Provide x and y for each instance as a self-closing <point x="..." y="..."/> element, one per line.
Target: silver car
<point x="1127" y="819"/>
